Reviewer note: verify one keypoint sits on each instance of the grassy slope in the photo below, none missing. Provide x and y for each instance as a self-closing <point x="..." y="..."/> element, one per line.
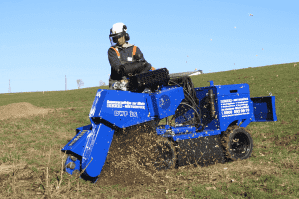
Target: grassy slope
<point x="273" y="170"/>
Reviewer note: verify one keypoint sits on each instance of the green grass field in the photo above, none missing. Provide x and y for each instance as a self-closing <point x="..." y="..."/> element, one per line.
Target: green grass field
<point x="31" y="140"/>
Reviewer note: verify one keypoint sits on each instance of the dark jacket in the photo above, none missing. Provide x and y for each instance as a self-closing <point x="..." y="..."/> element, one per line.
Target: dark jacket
<point x="125" y="52"/>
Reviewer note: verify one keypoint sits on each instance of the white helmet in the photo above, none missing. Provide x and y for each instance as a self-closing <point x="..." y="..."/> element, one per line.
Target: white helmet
<point x="118" y="30"/>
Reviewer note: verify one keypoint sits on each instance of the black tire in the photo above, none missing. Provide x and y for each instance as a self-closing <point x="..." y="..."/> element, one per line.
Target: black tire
<point x="237" y="143"/>
<point x="164" y="154"/>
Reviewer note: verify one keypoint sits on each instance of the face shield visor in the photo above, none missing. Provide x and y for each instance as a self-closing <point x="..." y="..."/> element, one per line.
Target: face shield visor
<point x="114" y="37"/>
<point x="111" y="41"/>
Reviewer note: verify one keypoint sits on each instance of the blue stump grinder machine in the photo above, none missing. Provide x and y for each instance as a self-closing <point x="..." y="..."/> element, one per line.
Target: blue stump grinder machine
<point x="207" y="123"/>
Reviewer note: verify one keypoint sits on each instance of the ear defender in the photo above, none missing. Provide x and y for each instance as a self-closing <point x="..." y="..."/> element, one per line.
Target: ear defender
<point x="127" y="37"/>
<point x="125" y="28"/>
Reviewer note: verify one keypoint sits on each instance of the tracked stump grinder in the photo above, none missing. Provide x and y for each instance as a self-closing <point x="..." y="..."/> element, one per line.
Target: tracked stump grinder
<point x="203" y="125"/>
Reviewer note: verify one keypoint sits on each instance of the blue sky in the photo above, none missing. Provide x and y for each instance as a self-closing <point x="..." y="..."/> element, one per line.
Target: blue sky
<point x="42" y="41"/>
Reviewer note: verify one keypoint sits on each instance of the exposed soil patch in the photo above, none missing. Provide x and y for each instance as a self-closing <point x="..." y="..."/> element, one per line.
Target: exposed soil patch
<point x="20" y="110"/>
<point x="25" y="109"/>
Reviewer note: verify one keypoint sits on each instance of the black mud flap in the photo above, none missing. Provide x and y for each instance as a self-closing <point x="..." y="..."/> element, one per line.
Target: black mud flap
<point x="204" y="151"/>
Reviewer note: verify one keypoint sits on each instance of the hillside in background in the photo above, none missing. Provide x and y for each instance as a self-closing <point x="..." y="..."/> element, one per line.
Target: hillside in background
<point x="35" y="126"/>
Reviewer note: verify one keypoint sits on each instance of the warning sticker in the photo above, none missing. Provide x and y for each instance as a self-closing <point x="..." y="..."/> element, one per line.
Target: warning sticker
<point x="234" y="107"/>
<point x="125" y="104"/>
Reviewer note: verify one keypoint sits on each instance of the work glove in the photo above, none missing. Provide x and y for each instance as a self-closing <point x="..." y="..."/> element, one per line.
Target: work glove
<point x="147" y="67"/>
<point x="129" y="69"/>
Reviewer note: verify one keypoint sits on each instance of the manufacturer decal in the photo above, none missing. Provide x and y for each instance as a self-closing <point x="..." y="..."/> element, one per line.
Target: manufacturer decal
<point x="125" y="104"/>
<point x="121" y="113"/>
<point x="94" y="105"/>
<point x="164" y="102"/>
<point x="90" y="140"/>
<point x="234" y="107"/>
<point x="133" y="114"/>
<point x="78" y="137"/>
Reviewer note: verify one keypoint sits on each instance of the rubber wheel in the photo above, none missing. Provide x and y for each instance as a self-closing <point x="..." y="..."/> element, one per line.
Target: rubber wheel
<point x="164" y="154"/>
<point x="237" y="143"/>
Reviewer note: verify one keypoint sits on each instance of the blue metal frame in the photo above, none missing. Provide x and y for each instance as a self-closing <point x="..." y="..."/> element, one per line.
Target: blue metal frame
<point x="113" y="109"/>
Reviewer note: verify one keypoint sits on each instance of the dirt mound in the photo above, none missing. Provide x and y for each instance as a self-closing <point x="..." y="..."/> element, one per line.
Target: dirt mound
<point x="22" y="109"/>
<point x="129" y="158"/>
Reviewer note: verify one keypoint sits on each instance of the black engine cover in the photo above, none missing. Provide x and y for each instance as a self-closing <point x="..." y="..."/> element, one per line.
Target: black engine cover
<point x="152" y="79"/>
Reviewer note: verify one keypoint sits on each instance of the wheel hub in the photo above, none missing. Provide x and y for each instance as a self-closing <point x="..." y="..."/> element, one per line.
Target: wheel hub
<point x="240" y="145"/>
